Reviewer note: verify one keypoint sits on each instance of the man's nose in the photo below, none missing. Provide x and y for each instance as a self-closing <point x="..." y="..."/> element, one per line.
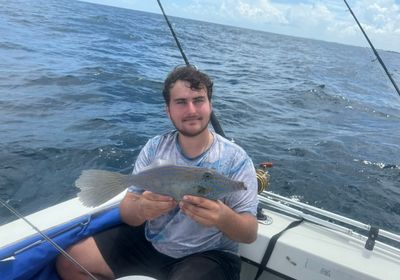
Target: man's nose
<point x="191" y="107"/>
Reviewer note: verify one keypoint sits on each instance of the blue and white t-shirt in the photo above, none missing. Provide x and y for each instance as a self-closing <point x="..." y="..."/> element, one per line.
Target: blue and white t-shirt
<point x="177" y="235"/>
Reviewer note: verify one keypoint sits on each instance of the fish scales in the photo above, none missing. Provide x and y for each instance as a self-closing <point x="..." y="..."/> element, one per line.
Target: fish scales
<point x="98" y="186"/>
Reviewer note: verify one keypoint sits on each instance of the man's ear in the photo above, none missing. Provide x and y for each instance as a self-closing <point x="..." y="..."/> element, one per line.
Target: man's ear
<point x="167" y="111"/>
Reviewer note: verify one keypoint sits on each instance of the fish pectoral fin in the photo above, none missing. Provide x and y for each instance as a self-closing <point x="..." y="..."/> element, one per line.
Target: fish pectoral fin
<point x="158" y="163"/>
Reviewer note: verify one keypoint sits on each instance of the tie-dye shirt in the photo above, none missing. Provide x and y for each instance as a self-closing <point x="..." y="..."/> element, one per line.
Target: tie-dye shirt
<point x="177" y="235"/>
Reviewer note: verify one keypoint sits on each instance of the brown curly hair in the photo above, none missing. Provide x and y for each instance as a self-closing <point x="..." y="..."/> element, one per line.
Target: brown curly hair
<point x="188" y="73"/>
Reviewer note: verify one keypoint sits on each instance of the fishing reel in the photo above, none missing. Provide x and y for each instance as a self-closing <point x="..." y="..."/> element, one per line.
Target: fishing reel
<point x="263" y="183"/>
<point x="263" y="176"/>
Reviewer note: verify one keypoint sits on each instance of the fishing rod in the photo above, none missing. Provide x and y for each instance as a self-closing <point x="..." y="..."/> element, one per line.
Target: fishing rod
<point x="214" y="121"/>
<point x="373" y="48"/>
<point x="55" y="245"/>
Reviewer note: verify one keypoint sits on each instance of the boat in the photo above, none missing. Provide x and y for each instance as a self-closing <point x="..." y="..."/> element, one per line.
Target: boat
<point x="295" y="241"/>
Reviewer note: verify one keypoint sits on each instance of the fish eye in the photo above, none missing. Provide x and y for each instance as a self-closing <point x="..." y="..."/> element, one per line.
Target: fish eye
<point x="207" y="175"/>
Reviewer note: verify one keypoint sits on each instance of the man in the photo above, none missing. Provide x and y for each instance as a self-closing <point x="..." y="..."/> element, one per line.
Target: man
<point x="195" y="238"/>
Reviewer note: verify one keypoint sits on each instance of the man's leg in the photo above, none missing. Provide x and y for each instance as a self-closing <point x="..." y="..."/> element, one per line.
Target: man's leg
<point x="213" y="265"/>
<point x="88" y="255"/>
<point x="115" y="253"/>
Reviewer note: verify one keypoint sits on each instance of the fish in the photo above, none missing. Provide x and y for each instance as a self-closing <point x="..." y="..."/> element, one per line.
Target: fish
<point x="98" y="186"/>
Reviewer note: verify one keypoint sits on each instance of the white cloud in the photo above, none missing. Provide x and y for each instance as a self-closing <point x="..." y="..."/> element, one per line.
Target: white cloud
<point x="310" y="14"/>
<point x="319" y="19"/>
<point x="381" y="16"/>
<point x="263" y="10"/>
<point x="326" y="20"/>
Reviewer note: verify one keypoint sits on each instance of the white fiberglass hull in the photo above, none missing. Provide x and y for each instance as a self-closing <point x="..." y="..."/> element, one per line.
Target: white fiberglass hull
<point x="307" y="251"/>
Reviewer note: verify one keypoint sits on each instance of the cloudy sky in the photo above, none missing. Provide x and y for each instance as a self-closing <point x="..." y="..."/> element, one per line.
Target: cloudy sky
<point x="327" y="20"/>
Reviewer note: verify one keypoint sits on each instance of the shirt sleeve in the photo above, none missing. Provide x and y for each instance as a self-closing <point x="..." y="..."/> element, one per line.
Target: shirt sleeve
<point x="246" y="200"/>
<point x="145" y="158"/>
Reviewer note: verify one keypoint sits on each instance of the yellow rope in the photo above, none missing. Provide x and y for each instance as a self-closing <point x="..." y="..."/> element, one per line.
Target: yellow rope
<point x="262" y="180"/>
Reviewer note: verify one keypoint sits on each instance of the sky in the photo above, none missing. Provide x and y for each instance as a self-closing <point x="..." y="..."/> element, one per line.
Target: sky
<point x="327" y="20"/>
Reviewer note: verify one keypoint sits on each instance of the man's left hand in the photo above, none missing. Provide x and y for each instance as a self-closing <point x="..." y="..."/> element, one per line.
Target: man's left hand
<point x="239" y="227"/>
<point x="204" y="211"/>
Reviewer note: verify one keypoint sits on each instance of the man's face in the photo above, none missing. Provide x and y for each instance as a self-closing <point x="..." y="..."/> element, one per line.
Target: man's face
<point x="189" y="110"/>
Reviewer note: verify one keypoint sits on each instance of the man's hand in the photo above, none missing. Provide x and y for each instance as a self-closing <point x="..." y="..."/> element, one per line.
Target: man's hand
<point x="204" y="211"/>
<point x="152" y="205"/>
<point x="239" y="227"/>
<point x="135" y="209"/>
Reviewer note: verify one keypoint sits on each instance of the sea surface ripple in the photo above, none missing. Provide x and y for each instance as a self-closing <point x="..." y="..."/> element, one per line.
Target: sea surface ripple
<point x="80" y="87"/>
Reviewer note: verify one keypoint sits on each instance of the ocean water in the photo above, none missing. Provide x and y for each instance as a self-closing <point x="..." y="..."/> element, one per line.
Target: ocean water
<point x="80" y="87"/>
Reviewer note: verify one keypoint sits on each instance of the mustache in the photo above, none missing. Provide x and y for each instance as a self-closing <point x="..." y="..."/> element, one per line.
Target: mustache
<point x="192" y="118"/>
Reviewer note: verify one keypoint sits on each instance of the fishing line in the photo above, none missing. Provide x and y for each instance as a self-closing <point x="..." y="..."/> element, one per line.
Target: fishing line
<point x="55" y="245"/>
<point x="373" y="48"/>
<point x="173" y="34"/>
<point x="214" y="121"/>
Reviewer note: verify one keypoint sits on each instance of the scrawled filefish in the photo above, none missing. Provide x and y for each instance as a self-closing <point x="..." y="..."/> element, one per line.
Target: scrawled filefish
<point x="98" y="186"/>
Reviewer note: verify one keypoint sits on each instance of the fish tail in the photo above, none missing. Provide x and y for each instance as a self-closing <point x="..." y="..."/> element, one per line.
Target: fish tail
<point x="98" y="186"/>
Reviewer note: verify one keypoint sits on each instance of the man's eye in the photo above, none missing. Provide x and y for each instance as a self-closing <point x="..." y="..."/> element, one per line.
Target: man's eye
<point x="200" y="100"/>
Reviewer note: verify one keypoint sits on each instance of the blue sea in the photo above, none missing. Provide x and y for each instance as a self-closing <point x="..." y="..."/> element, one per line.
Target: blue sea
<point x="80" y="87"/>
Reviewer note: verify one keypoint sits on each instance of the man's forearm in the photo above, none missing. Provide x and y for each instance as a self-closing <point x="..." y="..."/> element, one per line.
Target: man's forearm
<point x="239" y="227"/>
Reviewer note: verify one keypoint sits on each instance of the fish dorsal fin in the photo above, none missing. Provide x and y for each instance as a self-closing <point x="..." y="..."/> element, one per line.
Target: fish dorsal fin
<point x="157" y="163"/>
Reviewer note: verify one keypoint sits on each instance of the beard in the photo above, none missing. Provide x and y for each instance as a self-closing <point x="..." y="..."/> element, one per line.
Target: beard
<point x="195" y="133"/>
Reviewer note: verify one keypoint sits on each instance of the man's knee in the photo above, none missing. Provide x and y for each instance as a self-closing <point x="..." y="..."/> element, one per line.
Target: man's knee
<point x="66" y="268"/>
<point x="88" y="256"/>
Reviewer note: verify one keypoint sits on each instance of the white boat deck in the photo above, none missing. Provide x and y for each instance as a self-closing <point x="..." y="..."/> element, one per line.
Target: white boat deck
<point x="308" y="251"/>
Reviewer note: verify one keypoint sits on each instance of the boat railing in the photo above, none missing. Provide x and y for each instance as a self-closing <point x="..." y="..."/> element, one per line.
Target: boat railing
<point x="330" y="220"/>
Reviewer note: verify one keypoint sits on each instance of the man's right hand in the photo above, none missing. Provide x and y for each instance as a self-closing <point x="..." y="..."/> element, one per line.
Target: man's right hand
<point x="135" y="209"/>
<point x="152" y="205"/>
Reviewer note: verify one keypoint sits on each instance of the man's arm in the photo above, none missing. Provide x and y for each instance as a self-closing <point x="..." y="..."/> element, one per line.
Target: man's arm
<point x="135" y="208"/>
<point x="238" y="227"/>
